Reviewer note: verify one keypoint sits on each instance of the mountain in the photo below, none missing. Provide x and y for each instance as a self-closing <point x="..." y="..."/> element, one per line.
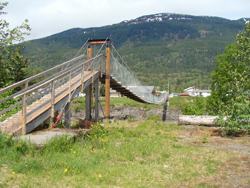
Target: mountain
<point x="159" y="47"/>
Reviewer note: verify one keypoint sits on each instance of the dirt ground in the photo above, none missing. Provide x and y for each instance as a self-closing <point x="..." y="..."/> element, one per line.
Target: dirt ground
<point x="236" y="171"/>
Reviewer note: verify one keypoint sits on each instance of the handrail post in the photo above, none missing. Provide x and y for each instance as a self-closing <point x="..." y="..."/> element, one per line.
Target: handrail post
<point x="52" y="98"/>
<point x="24" y="114"/>
<point x="82" y="77"/>
<point x="69" y="86"/>
<point x="61" y="73"/>
<point x="24" y="109"/>
<point x="101" y="67"/>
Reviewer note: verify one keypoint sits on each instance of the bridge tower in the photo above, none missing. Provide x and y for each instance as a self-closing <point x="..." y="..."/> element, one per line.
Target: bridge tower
<point x="107" y="80"/>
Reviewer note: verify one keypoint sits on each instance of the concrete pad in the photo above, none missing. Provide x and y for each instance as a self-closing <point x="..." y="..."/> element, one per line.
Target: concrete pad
<point x="41" y="137"/>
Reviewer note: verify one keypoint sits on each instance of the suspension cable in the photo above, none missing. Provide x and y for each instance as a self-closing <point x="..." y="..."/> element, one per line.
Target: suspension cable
<point x="128" y="67"/>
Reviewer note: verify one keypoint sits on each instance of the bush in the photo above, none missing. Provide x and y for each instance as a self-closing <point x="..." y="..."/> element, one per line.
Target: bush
<point x="195" y="107"/>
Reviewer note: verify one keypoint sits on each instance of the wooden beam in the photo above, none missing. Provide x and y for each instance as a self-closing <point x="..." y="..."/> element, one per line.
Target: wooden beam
<point x="107" y="82"/>
<point x="98" y="42"/>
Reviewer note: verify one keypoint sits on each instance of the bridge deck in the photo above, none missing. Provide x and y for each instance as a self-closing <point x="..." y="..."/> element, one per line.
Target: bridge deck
<point x="40" y="110"/>
<point x="123" y="90"/>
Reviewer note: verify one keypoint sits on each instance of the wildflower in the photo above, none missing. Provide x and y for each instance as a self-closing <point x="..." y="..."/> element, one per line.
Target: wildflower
<point x="26" y="165"/>
<point x="74" y="152"/>
<point x="104" y="148"/>
<point x="72" y="149"/>
<point x="100" y="175"/>
<point x="94" y="151"/>
<point x="124" y="154"/>
<point x="126" y="145"/>
<point x="66" y="170"/>
<point x="13" y="172"/>
<point x="62" y="161"/>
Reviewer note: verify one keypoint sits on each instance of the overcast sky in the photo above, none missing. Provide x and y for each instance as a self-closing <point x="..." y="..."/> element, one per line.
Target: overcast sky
<point x="47" y="17"/>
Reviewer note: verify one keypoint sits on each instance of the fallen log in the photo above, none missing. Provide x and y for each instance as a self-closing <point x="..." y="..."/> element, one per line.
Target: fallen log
<point x="197" y="120"/>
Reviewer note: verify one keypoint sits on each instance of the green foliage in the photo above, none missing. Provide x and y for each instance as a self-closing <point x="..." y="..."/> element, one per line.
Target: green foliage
<point x="154" y="118"/>
<point x="97" y="131"/>
<point x="131" y="118"/>
<point x="13" y="148"/>
<point x="195" y="107"/>
<point x="231" y="91"/>
<point x="57" y="144"/>
<point x="179" y="102"/>
<point x="7" y="104"/>
<point x="204" y="139"/>
<point x="12" y="64"/>
<point x="102" y="90"/>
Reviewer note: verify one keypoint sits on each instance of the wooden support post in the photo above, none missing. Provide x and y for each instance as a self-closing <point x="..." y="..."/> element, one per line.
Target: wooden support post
<point x="67" y="116"/>
<point x="97" y="93"/>
<point x="52" y="98"/>
<point x="107" y="82"/>
<point x="87" y="111"/>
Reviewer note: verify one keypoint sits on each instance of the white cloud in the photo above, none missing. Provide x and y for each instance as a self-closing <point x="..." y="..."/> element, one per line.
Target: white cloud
<point x="48" y="17"/>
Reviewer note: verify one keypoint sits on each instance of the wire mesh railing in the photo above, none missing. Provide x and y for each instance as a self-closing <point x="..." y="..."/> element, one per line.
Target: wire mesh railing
<point x="129" y="81"/>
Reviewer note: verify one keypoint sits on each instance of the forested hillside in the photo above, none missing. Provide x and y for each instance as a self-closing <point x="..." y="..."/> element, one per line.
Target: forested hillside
<point x="161" y="47"/>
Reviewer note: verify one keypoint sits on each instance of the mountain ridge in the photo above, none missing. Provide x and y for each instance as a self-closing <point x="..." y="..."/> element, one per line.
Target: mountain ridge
<point x="157" y="47"/>
<point x="146" y="18"/>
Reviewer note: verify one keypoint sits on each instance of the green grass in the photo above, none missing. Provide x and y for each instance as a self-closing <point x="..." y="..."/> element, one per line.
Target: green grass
<point x="179" y="102"/>
<point x="79" y="103"/>
<point x="139" y="154"/>
<point x="175" y="102"/>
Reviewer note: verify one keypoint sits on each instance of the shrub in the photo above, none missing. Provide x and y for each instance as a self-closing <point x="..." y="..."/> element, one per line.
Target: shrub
<point x="195" y="107"/>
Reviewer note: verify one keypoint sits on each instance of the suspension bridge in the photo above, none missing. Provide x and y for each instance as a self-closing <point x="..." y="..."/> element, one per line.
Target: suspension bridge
<point x="45" y="96"/>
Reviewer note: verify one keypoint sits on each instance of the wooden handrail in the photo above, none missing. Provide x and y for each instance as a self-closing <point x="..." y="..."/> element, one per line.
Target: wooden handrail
<point x="3" y="90"/>
<point x="57" y="77"/>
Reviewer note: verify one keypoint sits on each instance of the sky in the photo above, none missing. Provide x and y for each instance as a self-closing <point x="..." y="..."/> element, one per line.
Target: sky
<point x="47" y="17"/>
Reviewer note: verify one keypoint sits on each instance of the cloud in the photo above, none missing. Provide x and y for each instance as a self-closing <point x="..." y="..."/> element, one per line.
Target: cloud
<point x="48" y="17"/>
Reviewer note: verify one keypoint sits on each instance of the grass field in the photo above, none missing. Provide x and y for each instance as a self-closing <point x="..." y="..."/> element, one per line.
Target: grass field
<point x="176" y="103"/>
<point x="137" y="154"/>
